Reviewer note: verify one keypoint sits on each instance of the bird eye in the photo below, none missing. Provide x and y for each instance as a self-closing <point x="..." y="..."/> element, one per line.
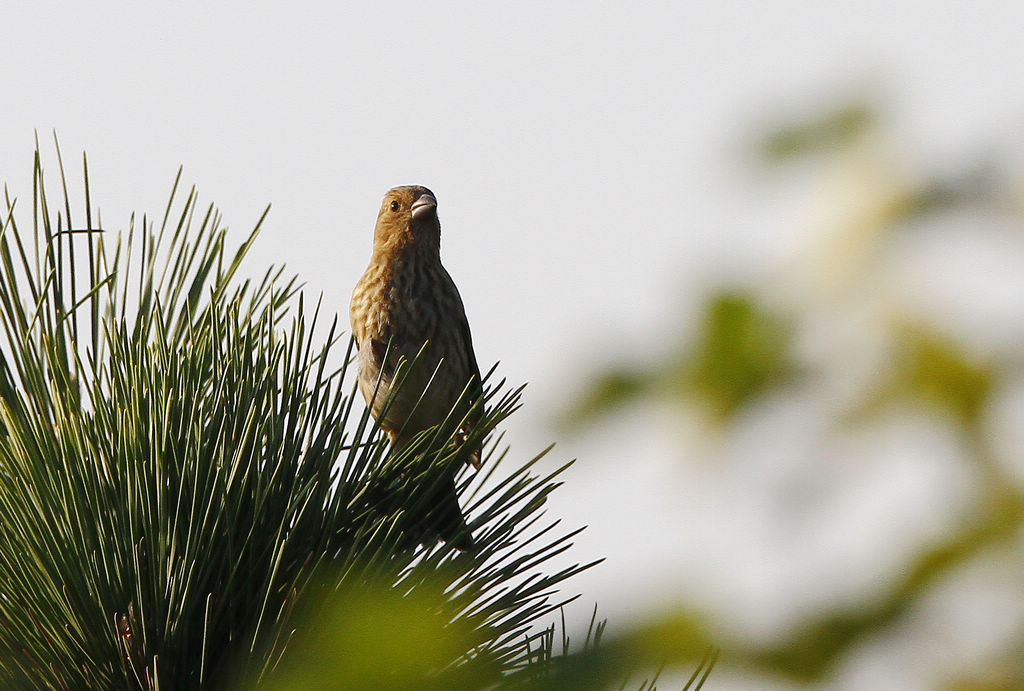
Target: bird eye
<point x="395" y="206"/>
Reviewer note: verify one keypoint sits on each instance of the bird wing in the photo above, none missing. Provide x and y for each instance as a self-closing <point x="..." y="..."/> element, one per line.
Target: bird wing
<point x="476" y="390"/>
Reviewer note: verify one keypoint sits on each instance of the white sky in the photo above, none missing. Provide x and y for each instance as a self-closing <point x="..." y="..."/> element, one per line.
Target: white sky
<point x="588" y="159"/>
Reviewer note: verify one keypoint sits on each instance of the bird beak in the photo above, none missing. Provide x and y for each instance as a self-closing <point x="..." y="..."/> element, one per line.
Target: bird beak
<point x="425" y="204"/>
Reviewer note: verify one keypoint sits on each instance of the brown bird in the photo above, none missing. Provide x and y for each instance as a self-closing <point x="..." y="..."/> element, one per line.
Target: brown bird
<point x="405" y="302"/>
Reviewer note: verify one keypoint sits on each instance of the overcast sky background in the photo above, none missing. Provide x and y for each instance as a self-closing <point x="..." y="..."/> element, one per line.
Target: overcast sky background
<point x="592" y="171"/>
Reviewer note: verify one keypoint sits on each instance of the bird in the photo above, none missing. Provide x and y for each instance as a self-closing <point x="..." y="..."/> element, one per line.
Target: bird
<point x="405" y="306"/>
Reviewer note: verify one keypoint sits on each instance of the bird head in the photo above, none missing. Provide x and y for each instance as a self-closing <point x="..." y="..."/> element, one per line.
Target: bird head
<point x="408" y="218"/>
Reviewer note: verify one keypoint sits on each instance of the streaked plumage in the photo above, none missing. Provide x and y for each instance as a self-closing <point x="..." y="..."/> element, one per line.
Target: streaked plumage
<point x="407" y="299"/>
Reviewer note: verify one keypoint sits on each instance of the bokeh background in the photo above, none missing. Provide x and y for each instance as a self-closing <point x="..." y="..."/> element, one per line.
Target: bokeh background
<point x="761" y="265"/>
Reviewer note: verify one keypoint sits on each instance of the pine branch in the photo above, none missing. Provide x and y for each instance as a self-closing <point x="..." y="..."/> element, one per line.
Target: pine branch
<point x="184" y="468"/>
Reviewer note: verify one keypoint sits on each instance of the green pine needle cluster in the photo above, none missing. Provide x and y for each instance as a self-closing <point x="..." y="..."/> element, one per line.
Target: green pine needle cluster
<point x="191" y="489"/>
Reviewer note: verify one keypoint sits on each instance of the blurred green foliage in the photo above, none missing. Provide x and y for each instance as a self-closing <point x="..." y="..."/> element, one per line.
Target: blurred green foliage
<point x="931" y="367"/>
<point x="741" y="354"/>
<point x="835" y="128"/>
<point x="373" y="635"/>
<point x="742" y="351"/>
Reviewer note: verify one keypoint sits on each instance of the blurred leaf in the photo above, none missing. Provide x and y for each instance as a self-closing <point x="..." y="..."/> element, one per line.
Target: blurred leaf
<point x="612" y="389"/>
<point x="932" y="368"/>
<point x="833" y="130"/>
<point x="938" y="195"/>
<point x="742" y="351"/>
<point x="372" y="635"/>
<point x="376" y="636"/>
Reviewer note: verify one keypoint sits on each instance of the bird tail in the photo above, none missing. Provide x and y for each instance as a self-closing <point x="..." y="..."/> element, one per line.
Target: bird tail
<point x="445" y="517"/>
